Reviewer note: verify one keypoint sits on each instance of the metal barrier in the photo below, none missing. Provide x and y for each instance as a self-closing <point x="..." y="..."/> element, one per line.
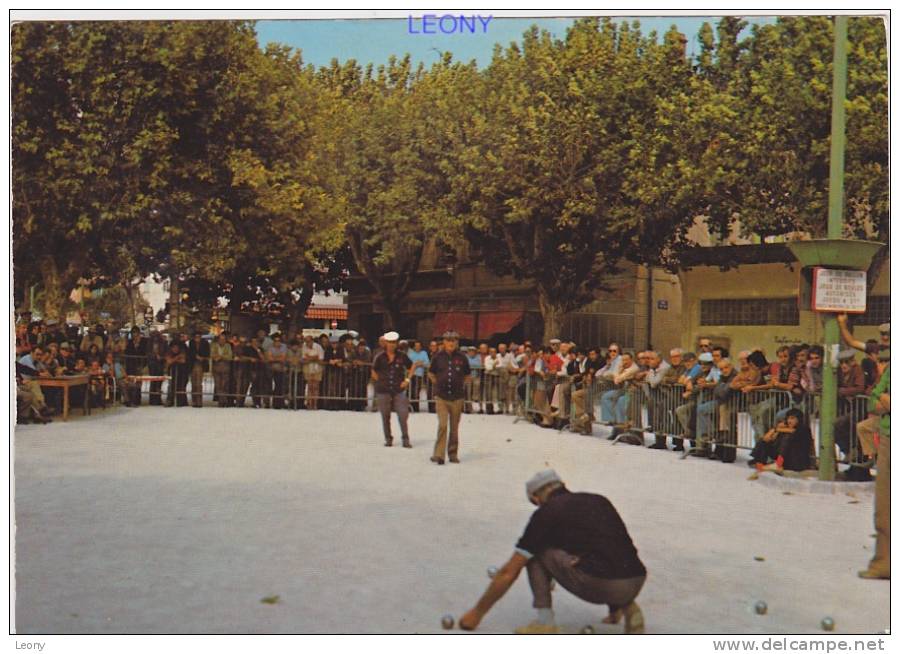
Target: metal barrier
<point x="736" y="421"/>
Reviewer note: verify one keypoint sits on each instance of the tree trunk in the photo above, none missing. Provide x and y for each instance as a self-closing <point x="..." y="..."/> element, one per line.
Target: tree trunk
<point x="298" y="311"/>
<point x="391" y="316"/>
<point x="54" y="290"/>
<point x="129" y="291"/>
<point x="553" y="314"/>
<point x="174" y="303"/>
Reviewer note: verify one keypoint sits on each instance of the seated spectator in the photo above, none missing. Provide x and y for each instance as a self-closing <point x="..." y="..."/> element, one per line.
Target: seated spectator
<point x="788" y="444"/>
<point x="614" y="403"/>
<point x="66" y="358"/>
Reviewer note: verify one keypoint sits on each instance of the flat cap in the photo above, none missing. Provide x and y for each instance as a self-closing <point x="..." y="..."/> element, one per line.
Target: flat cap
<point x="391" y="337"/>
<point x="540" y="480"/>
<point x="555" y="341"/>
<point x="846" y="354"/>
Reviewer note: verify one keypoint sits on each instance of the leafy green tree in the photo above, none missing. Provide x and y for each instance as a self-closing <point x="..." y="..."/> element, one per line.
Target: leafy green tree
<point x="563" y="174"/>
<point x="772" y="168"/>
<point x="382" y="157"/>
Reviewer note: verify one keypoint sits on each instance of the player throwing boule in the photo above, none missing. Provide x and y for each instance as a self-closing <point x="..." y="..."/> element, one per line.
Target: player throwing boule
<point x="579" y="540"/>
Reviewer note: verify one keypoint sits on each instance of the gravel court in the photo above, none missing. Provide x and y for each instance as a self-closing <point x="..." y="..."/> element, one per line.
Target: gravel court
<point x="156" y="520"/>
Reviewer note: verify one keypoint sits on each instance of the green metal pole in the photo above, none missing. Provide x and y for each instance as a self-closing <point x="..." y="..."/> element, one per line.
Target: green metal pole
<point x="828" y="409"/>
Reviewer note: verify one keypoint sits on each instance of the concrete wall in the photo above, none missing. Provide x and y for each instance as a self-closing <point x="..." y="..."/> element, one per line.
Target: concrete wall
<point x="770" y="280"/>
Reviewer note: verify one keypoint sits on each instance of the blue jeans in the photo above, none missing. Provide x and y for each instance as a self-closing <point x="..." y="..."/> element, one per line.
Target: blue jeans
<point x="706" y="418"/>
<point x="614" y="406"/>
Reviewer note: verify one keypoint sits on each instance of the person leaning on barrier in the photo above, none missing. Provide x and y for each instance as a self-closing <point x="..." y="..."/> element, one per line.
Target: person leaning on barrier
<point x="391" y="372"/>
<point x="448" y="374"/>
<point x="884" y="333"/>
<point x="614" y="403"/>
<point x="579" y="540"/>
<point x="696" y="383"/>
<point x="581" y="375"/>
<point x="177" y="370"/>
<point x="295" y="374"/>
<point x="851" y="383"/>
<point x="657" y="368"/>
<point x="276" y="358"/>
<point x="880" y="404"/>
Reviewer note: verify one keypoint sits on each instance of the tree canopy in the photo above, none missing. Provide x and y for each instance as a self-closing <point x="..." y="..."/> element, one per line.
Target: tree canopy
<point x="185" y="150"/>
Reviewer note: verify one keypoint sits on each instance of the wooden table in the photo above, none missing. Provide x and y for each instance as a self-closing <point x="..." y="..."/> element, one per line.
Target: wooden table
<point x="66" y="382"/>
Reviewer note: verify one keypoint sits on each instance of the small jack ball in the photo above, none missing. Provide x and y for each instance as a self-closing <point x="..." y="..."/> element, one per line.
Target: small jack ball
<point x="587" y="630"/>
<point x="828" y="624"/>
<point x="447" y="622"/>
<point x="761" y="608"/>
<point x="492" y="571"/>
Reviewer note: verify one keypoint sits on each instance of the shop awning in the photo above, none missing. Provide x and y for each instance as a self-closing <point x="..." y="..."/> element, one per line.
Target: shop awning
<point x="497" y="322"/>
<point x="326" y="313"/>
<point x="458" y="321"/>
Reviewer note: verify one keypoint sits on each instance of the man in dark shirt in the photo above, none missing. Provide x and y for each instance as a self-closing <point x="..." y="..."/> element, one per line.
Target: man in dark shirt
<point x="391" y="371"/>
<point x="579" y="540"/>
<point x="197" y="364"/>
<point x="135" y="362"/>
<point x="448" y="373"/>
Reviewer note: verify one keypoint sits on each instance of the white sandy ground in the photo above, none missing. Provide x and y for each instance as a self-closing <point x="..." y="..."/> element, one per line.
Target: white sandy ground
<point x="157" y="520"/>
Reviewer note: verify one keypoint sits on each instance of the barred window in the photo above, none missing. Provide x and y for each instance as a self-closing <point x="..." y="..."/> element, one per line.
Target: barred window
<point x="750" y="311"/>
<point x="878" y="310"/>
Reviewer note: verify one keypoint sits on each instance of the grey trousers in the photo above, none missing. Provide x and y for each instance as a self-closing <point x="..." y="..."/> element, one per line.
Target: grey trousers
<point x="560" y="565"/>
<point x="400" y="404"/>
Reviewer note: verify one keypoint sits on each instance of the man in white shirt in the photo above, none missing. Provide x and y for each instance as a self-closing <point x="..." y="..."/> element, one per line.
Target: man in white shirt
<point x="613" y="363"/>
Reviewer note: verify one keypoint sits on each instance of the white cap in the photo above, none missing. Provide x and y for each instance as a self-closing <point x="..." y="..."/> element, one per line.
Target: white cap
<point x="540" y="480"/>
<point x="391" y="337"/>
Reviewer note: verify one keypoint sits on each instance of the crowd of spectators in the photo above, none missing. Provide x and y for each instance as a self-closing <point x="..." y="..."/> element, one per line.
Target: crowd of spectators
<point x="685" y="395"/>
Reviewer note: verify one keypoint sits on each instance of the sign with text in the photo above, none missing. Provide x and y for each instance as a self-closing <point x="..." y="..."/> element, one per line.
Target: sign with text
<point x="839" y="290"/>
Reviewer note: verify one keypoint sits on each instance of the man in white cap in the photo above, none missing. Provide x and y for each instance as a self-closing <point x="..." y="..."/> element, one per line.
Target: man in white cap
<point x="579" y="540"/>
<point x="391" y="372"/>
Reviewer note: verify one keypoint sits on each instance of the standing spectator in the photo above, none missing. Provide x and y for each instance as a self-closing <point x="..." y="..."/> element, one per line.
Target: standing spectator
<point x="448" y="373"/>
<point x="242" y="371"/>
<point x="222" y="355"/>
<point x="362" y="367"/>
<point x="391" y="371"/>
<point x="176" y="368"/>
<point x="135" y="361"/>
<point x="295" y="374"/>
<point x="884" y="333"/>
<point x="197" y="362"/>
<point x="851" y="382"/>
<point x="265" y="340"/>
<point x="657" y="369"/>
<point x="330" y="373"/>
<point x="156" y="366"/>
<point x="869" y="364"/>
<point x="256" y="362"/>
<point x="313" y="355"/>
<point x="276" y="357"/>
<point x="880" y="404"/>
<point x="95" y="337"/>
<point x="115" y="370"/>
<point x="433" y="348"/>
<point x="94" y="353"/>
<point x="473" y="386"/>
<point x="420" y="360"/>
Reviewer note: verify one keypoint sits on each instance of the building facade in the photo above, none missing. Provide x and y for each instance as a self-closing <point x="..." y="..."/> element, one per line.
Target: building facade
<point x="464" y="295"/>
